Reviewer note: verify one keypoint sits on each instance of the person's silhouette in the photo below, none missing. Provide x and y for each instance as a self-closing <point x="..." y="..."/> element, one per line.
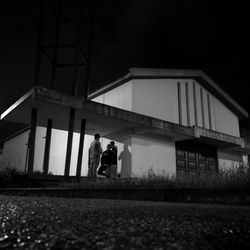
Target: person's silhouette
<point x="125" y="157"/>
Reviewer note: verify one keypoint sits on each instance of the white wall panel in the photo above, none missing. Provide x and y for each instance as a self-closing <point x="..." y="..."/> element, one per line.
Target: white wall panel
<point x="152" y="154"/>
<point x="157" y="98"/>
<point x="226" y="121"/>
<point x="39" y="148"/>
<point x="119" y="97"/>
<point x="57" y="151"/>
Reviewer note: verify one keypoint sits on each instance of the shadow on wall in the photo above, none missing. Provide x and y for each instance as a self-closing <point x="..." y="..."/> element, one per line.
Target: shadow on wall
<point x="125" y="158"/>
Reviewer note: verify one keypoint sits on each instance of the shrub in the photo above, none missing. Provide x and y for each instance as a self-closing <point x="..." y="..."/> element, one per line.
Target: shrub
<point x="8" y="176"/>
<point x="12" y="178"/>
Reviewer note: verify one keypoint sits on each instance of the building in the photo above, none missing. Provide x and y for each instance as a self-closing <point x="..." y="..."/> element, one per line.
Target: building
<point x="175" y="122"/>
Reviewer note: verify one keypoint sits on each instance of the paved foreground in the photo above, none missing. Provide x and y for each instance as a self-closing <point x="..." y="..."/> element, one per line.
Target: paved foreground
<point x="57" y="223"/>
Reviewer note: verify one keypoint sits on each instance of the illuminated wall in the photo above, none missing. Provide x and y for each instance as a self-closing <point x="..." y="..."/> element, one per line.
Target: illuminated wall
<point x="156" y="98"/>
<point x="137" y="155"/>
<point x="119" y="97"/>
<point x="153" y="154"/>
<point x="182" y="101"/>
<point x="15" y="152"/>
<point x="199" y="107"/>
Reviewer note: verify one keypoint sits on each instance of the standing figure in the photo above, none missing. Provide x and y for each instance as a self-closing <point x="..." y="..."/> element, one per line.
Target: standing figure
<point x="95" y="151"/>
<point x="105" y="161"/>
<point x="113" y="167"/>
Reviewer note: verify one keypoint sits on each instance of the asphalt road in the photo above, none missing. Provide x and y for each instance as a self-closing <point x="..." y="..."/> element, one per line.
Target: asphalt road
<point x="58" y="223"/>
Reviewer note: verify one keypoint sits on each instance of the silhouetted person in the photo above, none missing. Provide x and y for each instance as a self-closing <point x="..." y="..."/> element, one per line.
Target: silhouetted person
<point x="112" y="170"/>
<point x="105" y="161"/>
<point x="125" y="157"/>
<point x="95" y="151"/>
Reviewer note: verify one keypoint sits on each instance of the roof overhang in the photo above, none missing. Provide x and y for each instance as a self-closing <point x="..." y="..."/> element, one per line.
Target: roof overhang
<point x="198" y="75"/>
<point x="109" y="121"/>
<point x="106" y="120"/>
<point x="217" y="138"/>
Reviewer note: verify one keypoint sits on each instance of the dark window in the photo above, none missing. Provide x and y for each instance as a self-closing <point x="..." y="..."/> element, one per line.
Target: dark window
<point x="194" y="158"/>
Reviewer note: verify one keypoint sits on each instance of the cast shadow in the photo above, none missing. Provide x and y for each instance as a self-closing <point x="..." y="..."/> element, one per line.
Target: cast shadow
<point x="125" y="158"/>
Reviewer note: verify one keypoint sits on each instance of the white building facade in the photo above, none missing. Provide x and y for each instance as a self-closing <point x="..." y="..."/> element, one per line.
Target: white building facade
<point x="187" y="101"/>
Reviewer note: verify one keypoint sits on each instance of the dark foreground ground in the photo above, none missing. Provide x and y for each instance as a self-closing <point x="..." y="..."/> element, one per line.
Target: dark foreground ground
<point x="58" y="223"/>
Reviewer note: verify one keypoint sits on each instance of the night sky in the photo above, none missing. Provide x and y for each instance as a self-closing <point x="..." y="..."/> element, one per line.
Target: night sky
<point x="207" y="35"/>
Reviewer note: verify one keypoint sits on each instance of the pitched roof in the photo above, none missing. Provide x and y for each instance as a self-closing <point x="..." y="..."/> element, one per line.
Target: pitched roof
<point x="198" y="75"/>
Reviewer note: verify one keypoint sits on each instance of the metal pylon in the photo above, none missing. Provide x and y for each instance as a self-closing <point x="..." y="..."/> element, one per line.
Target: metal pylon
<point x="64" y="43"/>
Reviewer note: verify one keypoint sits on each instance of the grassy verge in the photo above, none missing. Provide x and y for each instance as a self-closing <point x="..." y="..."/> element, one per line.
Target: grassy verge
<point x="225" y="187"/>
<point x="225" y="179"/>
<point x="12" y="178"/>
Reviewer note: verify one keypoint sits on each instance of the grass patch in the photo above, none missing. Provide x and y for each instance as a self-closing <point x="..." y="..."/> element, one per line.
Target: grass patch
<point x="225" y="179"/>
<point x="235" y="178"/>
<point x="12" y="178"/>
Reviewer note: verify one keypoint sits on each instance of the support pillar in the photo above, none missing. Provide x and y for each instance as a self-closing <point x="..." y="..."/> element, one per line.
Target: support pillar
<point x="69" y="142"/>
<point x="32" y="140"/>
<point x="80" y="150"/>
<point x="47" y="147"/>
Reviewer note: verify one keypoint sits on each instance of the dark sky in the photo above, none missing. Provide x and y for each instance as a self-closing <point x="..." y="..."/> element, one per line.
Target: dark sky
<point x="207" y="35"/>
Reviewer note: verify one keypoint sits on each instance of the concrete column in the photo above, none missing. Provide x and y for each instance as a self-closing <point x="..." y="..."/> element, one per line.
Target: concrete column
<point x="69" y="142"/>
<point x="80" y="150"/>
<point x="187" y="104"/>
<point x="47" y="147"/>
<point x="32" y="139"/>
<point x="202" y="108"/>
<point x="179" y="103"/>
<point x="195" y="105"/>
